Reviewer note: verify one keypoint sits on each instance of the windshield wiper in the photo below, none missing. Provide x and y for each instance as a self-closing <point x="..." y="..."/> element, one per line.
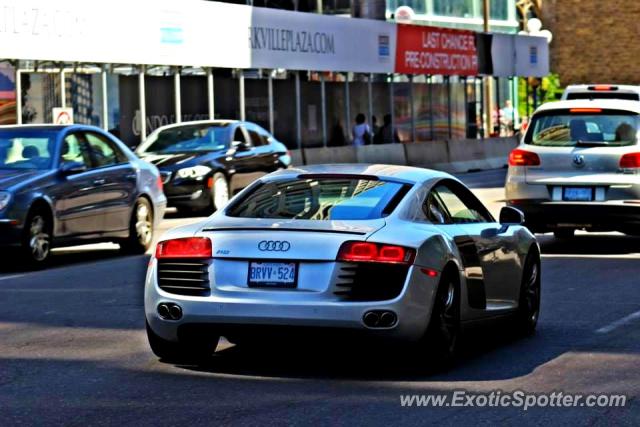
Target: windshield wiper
<point x="582" y="143"/>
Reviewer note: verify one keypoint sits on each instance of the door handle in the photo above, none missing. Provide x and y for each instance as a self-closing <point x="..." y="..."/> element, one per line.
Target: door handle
<point x="100" y="181"/>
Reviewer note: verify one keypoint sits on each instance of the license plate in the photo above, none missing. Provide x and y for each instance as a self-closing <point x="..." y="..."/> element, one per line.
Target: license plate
<point x="272" y="274"/>
<point x="577" y="194"/>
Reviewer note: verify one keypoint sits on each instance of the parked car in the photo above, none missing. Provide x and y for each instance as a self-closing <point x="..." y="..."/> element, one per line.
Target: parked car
<point x="602" y="91"/>
<point x="74" y="184"/>
<point x="391" y="252"/>
<point x="203" y="163"/>
<point x="578" y="167"/>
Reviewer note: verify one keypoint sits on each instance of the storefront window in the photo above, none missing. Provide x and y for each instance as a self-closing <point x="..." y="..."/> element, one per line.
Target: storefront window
<point x="418" y="6"/>
<point x="500" y="9"/>
<point x="456" y="8"/>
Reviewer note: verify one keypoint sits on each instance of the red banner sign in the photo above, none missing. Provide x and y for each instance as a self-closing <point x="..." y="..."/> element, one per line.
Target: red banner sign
<point x="430" y="50"/>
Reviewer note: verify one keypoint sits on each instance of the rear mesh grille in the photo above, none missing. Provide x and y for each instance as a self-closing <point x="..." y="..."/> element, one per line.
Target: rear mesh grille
<point x="184" y="276"/>
<point x="370" y="281"/>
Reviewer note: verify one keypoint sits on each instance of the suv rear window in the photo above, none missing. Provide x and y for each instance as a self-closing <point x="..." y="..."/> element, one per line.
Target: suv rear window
<point x="320" y="199"/>
<point x="583" y="127"/>
<point x="604" y="95"/>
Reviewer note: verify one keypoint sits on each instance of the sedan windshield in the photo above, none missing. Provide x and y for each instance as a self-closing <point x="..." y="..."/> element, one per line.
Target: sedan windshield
<point x="22" y="149"/>
<point x="321" y="199"/>
<point x="571" y="128"/>
<point x="203" y="137"/>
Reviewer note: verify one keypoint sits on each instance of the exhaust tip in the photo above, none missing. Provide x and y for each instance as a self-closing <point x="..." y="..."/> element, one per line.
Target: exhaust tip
<point x="371" y="319"/>
<point x="163" y="311"/>
<point x="175" y="312"/>
<point x="380" y="319"/>
<point x="169" y="311"/>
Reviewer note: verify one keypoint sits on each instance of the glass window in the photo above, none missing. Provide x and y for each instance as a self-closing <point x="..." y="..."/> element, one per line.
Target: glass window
<point x="418" y="6"/>
<point x="256" y="138"/>
<point x="455" y="8"/>
<point x="239" y="136"/>
<point x="320" y="199"/>
<point x="461" y="208"/>
<point x="499" y="9"/>
<point x="187" y="138"/>
<point x="102" y="151"/>
<point x="75" y="150"/>
<point x="21" y="149"/>
<point x="563" y="128"/>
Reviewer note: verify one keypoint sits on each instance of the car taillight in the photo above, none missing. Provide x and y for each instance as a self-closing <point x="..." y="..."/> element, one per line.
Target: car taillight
<point x="188" y="247"/>
<point x="630" y="160"/>
<point x="520" y="157"/>
<point x="159" y="184"/>
<point x="375" y="252"/>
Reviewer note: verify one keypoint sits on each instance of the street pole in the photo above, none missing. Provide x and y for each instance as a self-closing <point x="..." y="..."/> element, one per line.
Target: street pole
<point x="323" y="102"/>
<point x="347" y="106"/>
<point x="210" y="100"/>
<point x="18" y="94"/>
<point x="298" y="112"/>
<point x="176" y="95"/>
<point x="63" y="89"/>
<point x="105" y="101"/>
<point x="488" y="80"/>
<point x="413" y="110"/>
<point x="242" y="104"/>
<point x="142" y="100"/>
<point x="270" y="100"/>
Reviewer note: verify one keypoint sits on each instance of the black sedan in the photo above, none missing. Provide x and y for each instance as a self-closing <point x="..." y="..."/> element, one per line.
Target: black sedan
<point x="69" y="185"/>
<point x="203" y="163"/>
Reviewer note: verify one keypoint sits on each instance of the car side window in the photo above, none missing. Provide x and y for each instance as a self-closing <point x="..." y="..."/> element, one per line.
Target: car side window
<point x="74" y="149"/>
<point x="461" y="208"/>
<point x="240" y="137"/>
<point x="434" y="210"/>
<point x="103" y="152"/>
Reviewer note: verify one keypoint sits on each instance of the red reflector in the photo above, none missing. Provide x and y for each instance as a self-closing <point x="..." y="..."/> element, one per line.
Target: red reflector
<point x="429" y="272"/>
<point x="585" y="110"/>
<point x="189" y="247"/>
<point x="520" y="157"/>
<point x="630" y="160"/>
<point x="159" y="184"/>
<point x="210" y="182"/>
<point x="374" y="252"/>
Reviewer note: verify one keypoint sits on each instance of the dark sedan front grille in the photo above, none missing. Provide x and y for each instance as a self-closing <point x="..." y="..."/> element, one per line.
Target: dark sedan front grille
<point x="184" y="276"/>
<point x="370" y="281"/>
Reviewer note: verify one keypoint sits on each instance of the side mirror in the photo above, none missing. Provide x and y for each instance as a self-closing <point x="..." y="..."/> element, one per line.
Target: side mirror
<point x="240" y="146"/>
<point x="72" y="168"/>
<point x="510" y="216"/>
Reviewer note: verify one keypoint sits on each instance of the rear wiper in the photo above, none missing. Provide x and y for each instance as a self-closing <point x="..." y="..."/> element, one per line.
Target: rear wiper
<point x="581" y="143"/>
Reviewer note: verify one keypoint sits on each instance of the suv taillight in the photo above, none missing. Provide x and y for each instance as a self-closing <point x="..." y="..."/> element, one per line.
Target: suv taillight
<point x="520" y="157"/>
<point x="630" y="160"/>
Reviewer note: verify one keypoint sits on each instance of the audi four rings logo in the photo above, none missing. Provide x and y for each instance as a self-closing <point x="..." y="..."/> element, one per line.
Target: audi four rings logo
<point x="274" y="246"/>
<point x="578" y="160"/>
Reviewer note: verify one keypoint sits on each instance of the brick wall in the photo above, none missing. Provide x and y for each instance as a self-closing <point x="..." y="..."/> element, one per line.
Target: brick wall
<point x="594" y="41"/>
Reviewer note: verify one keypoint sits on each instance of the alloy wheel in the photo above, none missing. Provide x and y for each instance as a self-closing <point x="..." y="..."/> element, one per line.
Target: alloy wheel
<point x="144" y="226"/>
<point x="39" y="238"/>
<point x="220" y="192"/>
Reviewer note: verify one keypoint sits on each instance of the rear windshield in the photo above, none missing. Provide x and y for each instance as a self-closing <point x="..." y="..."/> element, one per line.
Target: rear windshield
<point x="321" y="199"/>
<point x="188" y="138"/>
<point x="26" y="149"/>
<point x="604" y="95"/>
<point x="590" y="127"/>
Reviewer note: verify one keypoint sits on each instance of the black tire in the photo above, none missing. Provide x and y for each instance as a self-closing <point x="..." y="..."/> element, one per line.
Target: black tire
<point x="529" y="300"/>
<point x="219" y="191"/>
<point x="37" y="238"/>
<point x="442" y="336"/>
<point x="564" y="233"/>
<point x="140" y="228"/>
<point x="195" y="349"/>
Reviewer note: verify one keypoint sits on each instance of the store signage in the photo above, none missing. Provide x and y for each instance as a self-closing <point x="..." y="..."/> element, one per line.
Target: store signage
<point x="430" y="50"/>
<point x="62" y="116"/>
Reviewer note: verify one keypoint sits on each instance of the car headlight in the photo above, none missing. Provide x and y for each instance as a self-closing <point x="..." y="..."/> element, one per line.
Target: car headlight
<point x="194" y="172"/>
<point x="5" y="197"/>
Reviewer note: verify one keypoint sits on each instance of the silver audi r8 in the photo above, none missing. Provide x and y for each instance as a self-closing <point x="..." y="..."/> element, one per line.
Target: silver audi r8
<point x="389" y="251"/>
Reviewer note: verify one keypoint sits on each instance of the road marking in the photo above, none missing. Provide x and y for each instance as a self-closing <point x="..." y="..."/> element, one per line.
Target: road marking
<point x="603" y="256"/>
<point x="618" y="323"/>
<point x="13" y="276"/>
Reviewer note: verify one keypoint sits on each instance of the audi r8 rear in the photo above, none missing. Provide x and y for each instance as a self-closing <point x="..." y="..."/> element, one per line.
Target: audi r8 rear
<point x="388" y="251"/>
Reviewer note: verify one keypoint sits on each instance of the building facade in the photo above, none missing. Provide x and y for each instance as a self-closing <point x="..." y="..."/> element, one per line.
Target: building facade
<point x="580" y="54"/>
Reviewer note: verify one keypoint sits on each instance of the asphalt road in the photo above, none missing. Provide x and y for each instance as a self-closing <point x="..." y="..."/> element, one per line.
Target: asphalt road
<point x="73" y="352"/>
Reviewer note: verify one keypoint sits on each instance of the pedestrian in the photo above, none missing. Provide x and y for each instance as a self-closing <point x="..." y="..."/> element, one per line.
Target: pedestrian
<point x="386" y="134"/>
<point x="361" y="131"/>
<point x="337" y="138"/>
<point x="374" y="126"/>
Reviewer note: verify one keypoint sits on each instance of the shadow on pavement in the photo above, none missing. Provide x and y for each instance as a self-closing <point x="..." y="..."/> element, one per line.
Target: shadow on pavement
<point x="590" y="244"/>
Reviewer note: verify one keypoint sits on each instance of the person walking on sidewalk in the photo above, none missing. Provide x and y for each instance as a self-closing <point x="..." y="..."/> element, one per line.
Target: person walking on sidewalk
<point x="361" y="131"/>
